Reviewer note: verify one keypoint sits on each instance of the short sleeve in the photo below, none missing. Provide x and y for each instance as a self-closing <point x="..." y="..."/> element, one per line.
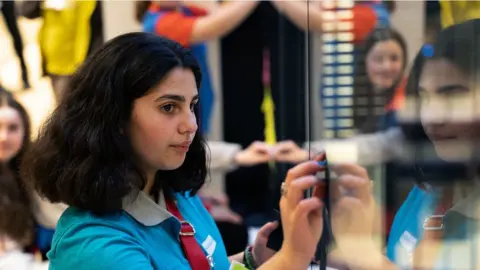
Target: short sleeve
<point x="364" y="21"/>
<point x="87" y="246"/>
<point x="175" y="26"/>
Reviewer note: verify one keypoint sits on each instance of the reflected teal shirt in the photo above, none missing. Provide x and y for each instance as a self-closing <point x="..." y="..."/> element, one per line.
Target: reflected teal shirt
<point x="461" y="240"/>
<point x="143" y="236"/>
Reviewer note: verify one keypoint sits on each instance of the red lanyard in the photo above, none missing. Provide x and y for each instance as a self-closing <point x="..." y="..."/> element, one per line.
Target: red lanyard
<point x="192" y="250"/>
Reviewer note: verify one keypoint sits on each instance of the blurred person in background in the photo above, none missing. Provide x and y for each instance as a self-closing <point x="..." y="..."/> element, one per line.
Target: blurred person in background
<point x="366" y="15"/>
<point x="70" y="31"/>
<point x="17" y="222"/>
<point x="10" y="17"/>
<point x="382" y="75"/>
<point x="226" y="157"/>
<point x="453" y="12"/>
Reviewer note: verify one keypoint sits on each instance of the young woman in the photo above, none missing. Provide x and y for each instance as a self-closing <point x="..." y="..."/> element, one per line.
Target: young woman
<point x="17" y="222"/>
<point x="437" y="226"/>
<point x="70" y="31"/>
<point x="7" y="8"/>
<point x="123" y="150"/>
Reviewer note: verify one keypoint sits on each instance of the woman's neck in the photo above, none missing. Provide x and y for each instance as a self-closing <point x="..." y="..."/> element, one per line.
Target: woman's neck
<point x="150" y="182"/>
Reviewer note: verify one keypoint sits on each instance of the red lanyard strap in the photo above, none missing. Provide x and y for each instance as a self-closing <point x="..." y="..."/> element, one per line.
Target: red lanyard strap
<point x="192" y="250"/>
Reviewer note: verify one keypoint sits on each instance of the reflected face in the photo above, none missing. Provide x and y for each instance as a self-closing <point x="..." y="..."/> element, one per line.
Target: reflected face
<point x="163" y="123"/>
<point x="12" y="132"/>
<point x="450" y="111"/>
<point x="384" y="63"/>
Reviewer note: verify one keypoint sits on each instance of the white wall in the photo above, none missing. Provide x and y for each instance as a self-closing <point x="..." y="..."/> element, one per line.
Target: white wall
<point x="409" y="20"/>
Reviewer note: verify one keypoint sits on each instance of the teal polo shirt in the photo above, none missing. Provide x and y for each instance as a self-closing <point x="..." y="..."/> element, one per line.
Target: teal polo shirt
<point x="461" y="243"/>
<point x="143" y="236"/>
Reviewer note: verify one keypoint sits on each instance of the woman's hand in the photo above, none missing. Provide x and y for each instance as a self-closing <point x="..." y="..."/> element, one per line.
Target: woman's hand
<point x="289" y="151"/>
<point x="261" y="253"/>
<point x="353" y="215"/>
<point x="255" y="153"/>
<point x="302" y="220"/>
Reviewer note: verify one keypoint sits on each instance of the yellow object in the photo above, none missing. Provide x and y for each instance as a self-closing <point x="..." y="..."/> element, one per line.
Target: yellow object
<point x="64" y="37"/>
<point x="268" y="109"/>
<point x="458" y="11"/>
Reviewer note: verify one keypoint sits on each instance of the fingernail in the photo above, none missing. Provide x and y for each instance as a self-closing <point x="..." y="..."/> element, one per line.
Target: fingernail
<point x="322" y="163"/>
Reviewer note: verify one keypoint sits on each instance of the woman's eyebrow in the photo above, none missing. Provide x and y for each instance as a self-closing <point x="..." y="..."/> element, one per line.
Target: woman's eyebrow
<point x="445" y="89"/>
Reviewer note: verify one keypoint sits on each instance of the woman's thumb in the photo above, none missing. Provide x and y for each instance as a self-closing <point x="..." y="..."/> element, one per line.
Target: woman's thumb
<point x="267" y="229"/>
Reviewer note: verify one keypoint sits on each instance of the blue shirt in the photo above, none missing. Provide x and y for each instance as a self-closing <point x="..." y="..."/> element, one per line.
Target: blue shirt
<point x="143" y="236"/>
<point x="461" y="238"/>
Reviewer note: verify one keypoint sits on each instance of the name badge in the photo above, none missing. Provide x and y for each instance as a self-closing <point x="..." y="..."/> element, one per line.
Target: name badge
<point x="408" y="242"/>
<point x="209" y="245"/>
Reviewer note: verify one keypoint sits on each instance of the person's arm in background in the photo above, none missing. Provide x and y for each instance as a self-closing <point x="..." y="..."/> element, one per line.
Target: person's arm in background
<point x="208" y="6"/>
<point x="367" y="149"/>
<point x="363" y="16"/>
<point x="305" y="15"/>
<point x="188" y="30"/>
<point x="225" y="156"/>
<point x="363" y="149"/>
<point x="222" y="155"/>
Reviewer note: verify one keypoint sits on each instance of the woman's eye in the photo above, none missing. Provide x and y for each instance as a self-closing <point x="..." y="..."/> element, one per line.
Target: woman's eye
<point x="168" y="108"/>
<point x="13" y="128"/>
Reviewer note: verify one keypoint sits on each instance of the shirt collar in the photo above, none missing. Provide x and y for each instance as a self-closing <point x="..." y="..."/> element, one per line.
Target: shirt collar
<point x="144" y="210"/>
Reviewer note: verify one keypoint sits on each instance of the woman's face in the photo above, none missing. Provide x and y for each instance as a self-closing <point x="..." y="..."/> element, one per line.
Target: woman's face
<point x="163" y="124"/>
<point x="450" y="111"/>
<point x="12" y="132"/>
<point x="384" y="63"/>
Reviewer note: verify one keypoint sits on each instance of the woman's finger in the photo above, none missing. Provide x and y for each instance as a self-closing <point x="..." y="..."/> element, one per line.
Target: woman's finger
<point x="359" y="187"/>
<point x="303" y="169"/>
<point x="310" y="209"/>
<point x="320" y="156"/>
<point x="267" y="229"/>
<point x="349" y="168"/>
<point x="296" y="189"/>
<point x="350" y="185"/>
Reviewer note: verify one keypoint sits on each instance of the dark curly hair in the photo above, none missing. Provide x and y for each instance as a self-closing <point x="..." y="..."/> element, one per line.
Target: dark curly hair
<point x="17" y="218"/>
<point x="82" y="156"/>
